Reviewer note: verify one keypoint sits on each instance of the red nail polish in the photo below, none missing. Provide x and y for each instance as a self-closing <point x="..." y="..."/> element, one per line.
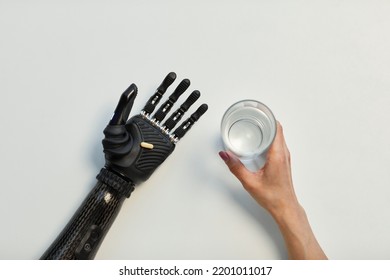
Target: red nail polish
<point x="224" y="155"/>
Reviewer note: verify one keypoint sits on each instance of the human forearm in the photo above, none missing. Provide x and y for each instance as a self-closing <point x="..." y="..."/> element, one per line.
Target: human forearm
<point x="300" y="240"/>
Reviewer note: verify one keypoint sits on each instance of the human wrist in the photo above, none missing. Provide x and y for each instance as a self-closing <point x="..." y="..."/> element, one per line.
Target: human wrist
<point x="288" y="215"/>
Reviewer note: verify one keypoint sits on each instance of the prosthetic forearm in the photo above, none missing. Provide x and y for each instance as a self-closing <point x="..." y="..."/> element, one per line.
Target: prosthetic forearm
<point x="133" y="150"/>
<point x="84" y="233"/>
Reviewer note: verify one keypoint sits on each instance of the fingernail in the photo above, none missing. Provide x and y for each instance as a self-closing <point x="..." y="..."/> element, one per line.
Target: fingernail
<point x="224" y="155"/>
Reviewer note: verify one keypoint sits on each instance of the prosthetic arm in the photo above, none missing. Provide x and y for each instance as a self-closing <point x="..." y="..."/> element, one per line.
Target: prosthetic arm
<point x="133" y="150"/>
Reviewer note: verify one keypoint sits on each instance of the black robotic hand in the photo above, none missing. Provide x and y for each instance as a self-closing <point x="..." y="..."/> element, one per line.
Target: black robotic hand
<point x="133" y="150"/>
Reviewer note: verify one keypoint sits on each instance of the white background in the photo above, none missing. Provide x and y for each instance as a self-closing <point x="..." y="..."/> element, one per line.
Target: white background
<point x="323" y="67"/>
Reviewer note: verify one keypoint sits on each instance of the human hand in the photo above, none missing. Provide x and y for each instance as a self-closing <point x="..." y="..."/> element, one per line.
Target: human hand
<point x="272" y="185"/>
<point x="134" y="148"/>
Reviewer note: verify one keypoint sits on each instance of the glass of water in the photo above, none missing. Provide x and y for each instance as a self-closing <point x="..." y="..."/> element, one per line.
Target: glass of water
<point x="248" y="129"/>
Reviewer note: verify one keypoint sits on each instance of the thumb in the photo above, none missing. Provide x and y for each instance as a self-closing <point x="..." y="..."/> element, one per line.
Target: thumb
<point x="124" y="106"/>
<point x="235" y="166"/>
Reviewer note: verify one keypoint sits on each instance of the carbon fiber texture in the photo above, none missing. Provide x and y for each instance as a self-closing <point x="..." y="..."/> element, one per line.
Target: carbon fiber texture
<point x="84" y="233"/>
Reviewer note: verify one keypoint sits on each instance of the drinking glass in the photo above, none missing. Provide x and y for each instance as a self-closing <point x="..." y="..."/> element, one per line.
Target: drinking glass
<point x="248" y="129"/>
